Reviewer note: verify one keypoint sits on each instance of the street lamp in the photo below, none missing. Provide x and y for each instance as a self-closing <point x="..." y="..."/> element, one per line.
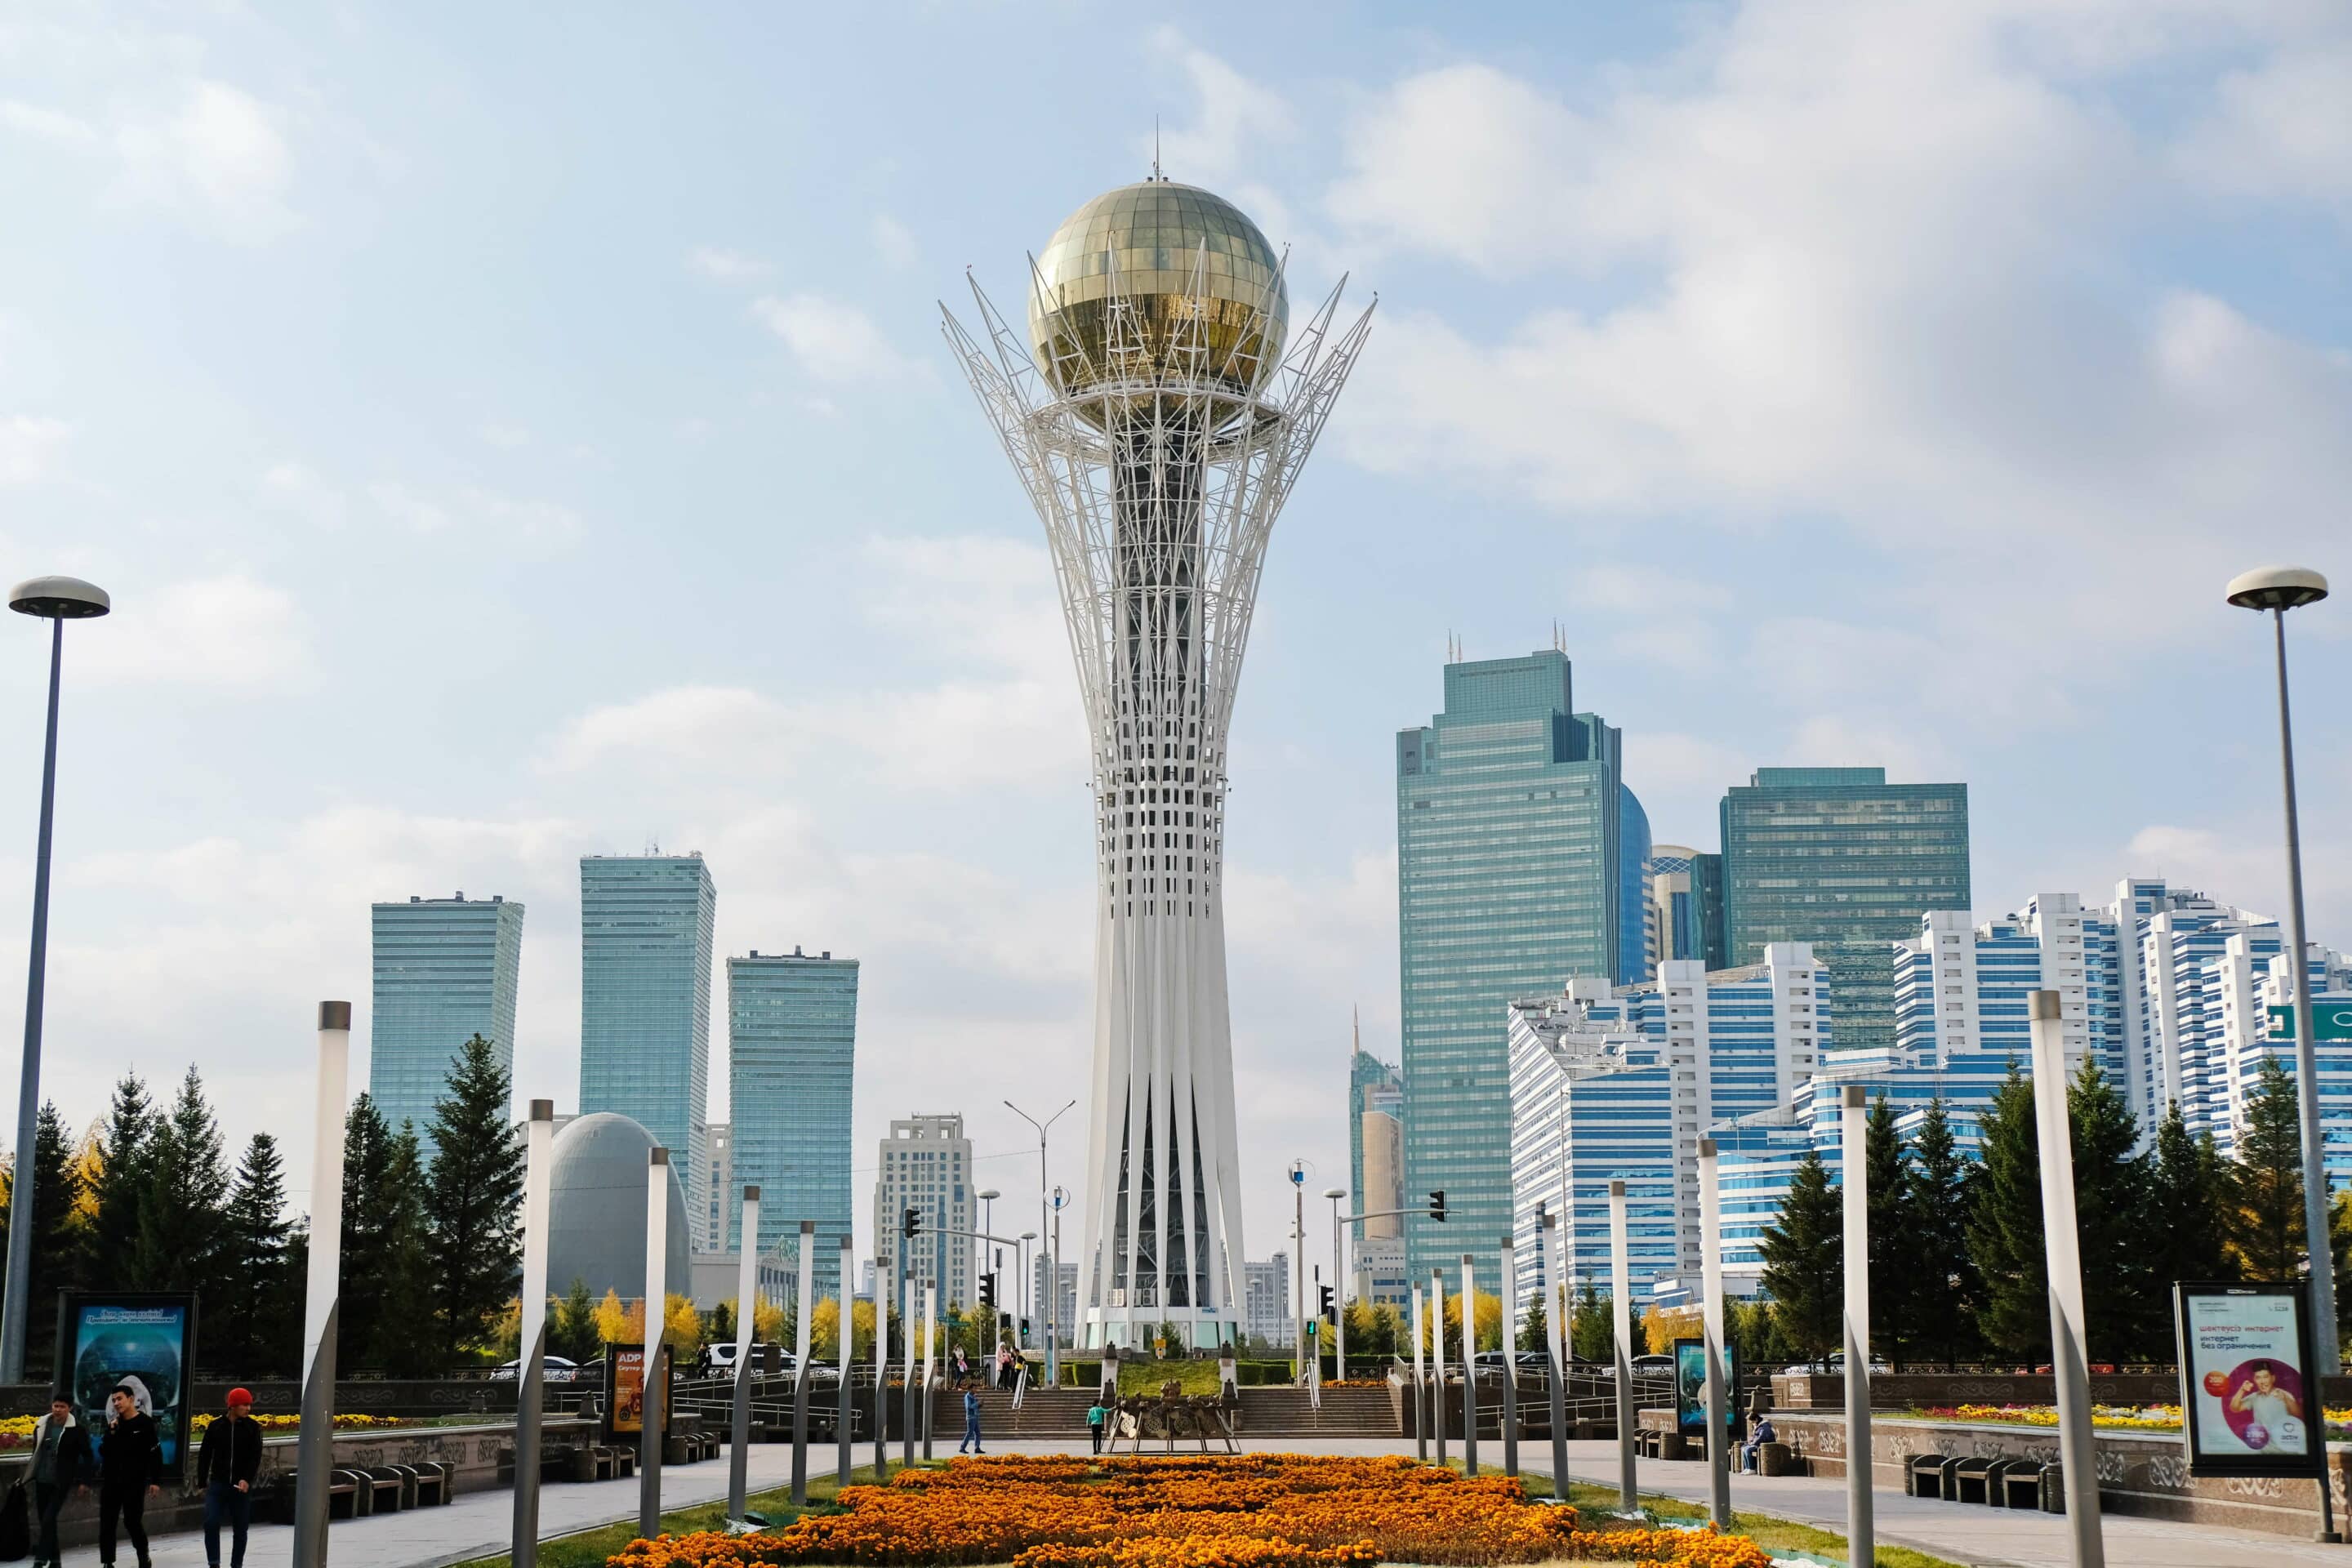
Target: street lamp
<point x="1043" y="1201"/>
<point x="57" y="600"/>
<point x="1297" y="1174"/>
<point x="1028" y="1307"/>
<point x="2279" y="589"/>
<point x="991" y="1258"/>
<point x="1338" y="1291"/>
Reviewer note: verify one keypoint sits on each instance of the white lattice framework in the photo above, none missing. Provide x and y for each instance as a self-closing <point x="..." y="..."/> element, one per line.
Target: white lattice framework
<point x="1158" y="475"/>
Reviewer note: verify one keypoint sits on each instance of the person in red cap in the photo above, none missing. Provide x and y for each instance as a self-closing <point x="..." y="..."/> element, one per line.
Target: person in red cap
<point x="227" y="1465"/>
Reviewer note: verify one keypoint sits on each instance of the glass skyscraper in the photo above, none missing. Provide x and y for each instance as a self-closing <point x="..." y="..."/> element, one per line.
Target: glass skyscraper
<point x="1519" y="856"/>
<point x="1843" y="859"/>
<point x="444" y="972"/>
<point x="645" y="1003"/>
<point x="1375" y="1120"/>
<point x="791" y="1045"/>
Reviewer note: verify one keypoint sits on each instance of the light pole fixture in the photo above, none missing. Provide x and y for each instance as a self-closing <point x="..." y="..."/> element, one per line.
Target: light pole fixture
<point x="2279" y="589"/>
<point x="56" y="600"/>
<point x="1044" y="1200"/>
<point x="1298" y="1173"/>
<point x="1338" y="1290"/>
<point x="1028" y="1286"/>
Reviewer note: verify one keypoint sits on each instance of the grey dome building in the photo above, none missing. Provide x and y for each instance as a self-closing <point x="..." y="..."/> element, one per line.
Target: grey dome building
<point x="596" y="1210"/>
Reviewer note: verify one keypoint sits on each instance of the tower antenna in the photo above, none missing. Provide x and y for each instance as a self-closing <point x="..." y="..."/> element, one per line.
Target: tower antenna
<point x="1155" y="149"/>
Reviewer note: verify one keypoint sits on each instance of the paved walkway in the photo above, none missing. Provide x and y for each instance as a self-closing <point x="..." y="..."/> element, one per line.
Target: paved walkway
<point x="478" y="1524"/>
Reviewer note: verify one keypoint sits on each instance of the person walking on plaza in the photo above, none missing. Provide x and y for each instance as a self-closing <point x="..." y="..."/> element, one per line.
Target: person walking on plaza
<point x="227" y="1465"/>
<point x="62" y="1466"/>
<point x="130" y="1468"/>
<point x="1004" y="1366"/>
<point x="970" y="1417"/>
<point x="1095" y="1414"/>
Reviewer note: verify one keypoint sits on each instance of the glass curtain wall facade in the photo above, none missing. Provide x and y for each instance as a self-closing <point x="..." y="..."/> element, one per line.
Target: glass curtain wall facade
<point x="1843" y="859"/>
<point x="1512" y="824"/>
<point x="645" y="1003"/>
<point x="444" y="972"/>
<point x="792" y="1042"/>
<point x="1375" y="1091"/>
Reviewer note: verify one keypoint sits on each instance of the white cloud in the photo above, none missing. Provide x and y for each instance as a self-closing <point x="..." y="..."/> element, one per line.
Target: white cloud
<point x="229" y="632"/>
<point x="220" y="156"/>
<point x="724" y="266"/>
<point x="893" y="242"/>
<point x="297" y="489"/>
<point x="48" y="124"/>
<point x="833" y="341"/>
<point x="28" y="446"/>
<point x="1235" y="117"/>
<point x="2279" y="130"/>
<point x="504" y="436"/>
<point x="479" y="514"/>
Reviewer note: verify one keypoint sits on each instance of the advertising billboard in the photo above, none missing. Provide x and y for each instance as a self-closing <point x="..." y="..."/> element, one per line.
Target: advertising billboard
<point x="146" y="1339"/>
<point x="1690" y="1387"/>
<point x="2250" y="1403"/>
<point x="624" y="1389"/>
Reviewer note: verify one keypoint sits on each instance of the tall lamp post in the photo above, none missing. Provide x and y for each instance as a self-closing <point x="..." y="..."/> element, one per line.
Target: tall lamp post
<point x="1061" y="1200"/>
<point x="56" y="600"/>
<point x="1044" y="1204"/>
<point x="2279" y="589"/>
<point x="1339" y="1289"/>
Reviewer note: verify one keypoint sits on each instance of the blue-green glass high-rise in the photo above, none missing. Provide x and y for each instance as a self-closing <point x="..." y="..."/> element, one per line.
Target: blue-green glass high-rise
<point x="1519" y="867"/>
<point x="791" y="1050"/>
<point x="644" y="1001"/>
<point x="1841" y="858"/>
<point x="444" y="972"/>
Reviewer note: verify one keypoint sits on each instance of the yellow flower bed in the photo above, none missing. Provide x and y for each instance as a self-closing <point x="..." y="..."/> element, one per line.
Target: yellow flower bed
<point x="1248" y="1511"/>
<point x="2122" y="1417"/>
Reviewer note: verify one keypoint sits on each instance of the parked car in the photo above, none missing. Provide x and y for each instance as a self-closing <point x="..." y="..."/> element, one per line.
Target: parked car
<point x="1527" y="1360"/>
<point x="1834" y="1367"/>
<point x="1654" y="1366"/>
<point x="552" y="1369"/>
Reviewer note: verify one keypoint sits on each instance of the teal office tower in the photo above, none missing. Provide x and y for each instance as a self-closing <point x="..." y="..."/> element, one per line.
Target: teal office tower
<point x="1843" y="859"/>
<point x="1519" y="853"/>
<point x="444" y="972"/>
<point x="792" y="1054"/>
<point x="645" y="926"/>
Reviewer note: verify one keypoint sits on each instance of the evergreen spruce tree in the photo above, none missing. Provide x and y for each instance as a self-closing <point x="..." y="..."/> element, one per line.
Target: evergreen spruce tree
<point x="122" y="1185"/>
<point x="254" y="1323"/>
<point x="409" y="1337"/>
<point x="1804" y="1271"/>
<point x="2124" y="1318"/>
<point x="367" y="1286"/>
<point x="474" y="1201"/>
<point x="1534" y="1326"/>
<point x="1894" y="1296"/>
<point x="2005" y="1226"/>
<point x="1947" y="1292"/>
<point x="2187" y="1226"/>
<point x="180" y="1219"/>
<point x="1592" y="1326"/>
<point x="2267" y="1233"/>
<point x="572" y="1325"/>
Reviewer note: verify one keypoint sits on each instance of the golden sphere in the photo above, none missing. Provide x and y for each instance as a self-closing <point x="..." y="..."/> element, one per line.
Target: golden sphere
<point x="1149" y="238"/>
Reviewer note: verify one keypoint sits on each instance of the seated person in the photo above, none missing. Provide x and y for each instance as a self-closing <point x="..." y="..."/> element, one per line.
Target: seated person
<point x="1758" y="1434"/>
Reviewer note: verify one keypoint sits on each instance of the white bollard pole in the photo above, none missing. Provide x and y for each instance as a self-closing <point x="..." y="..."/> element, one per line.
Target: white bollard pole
<point x="747" y="1298"/>
<point x="314" y="1458"/>
<point x="1511" y="1356"/>
<point x="655" y="1429"/>
<point x="1621" y="1291"/>
<point x="807" y="1308"/>
<point x="1560" y="1292"/>
<point x="1437" y="1355"/>
<point x="1420" y="1386"/>
<point x="931" y="1332"/>
<point x="848" y="1338"/>
<point x="2068" y="1355"/>
<point x="1861" y="1528"/>
<point x="1710" y="1273"/>
<point x="530" y="1386"/>
<point x="907" y="1376"/>
<point x="1469" y="1372"/>
<point x="881" y="1370"/>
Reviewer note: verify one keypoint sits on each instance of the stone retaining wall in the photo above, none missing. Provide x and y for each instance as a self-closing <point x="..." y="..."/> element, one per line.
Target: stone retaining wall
<point x="1924" y="1390"/>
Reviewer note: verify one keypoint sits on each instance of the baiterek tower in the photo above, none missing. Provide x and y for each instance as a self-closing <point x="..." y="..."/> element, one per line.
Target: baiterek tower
<point x="1157" y="410"/>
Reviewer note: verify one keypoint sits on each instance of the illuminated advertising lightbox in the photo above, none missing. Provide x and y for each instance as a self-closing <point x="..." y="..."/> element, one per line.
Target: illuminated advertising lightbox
<point x="145" y="1341"/>
<point x="2251" y="1405"/>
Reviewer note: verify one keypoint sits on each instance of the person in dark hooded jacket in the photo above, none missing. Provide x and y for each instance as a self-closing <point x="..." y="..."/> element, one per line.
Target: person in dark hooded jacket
<point x="129" y="1471"/>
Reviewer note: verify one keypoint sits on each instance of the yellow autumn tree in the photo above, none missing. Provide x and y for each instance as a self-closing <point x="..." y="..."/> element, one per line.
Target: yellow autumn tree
<point x="767" y="1321"/>
<point x="617" y="1324"/>
<point x="681" y="1325"/>
<point x="825" y="1331"/>
<point x="1663" y="1326"/>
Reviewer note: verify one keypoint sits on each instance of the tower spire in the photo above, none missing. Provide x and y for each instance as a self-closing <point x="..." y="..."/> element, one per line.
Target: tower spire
<point x="1155" y="149"/>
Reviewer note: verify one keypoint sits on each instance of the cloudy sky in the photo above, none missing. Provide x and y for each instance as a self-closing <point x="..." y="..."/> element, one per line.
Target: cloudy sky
<point x="510" y="435"/>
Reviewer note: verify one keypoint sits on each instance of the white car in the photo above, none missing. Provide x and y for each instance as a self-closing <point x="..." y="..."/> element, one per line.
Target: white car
<point x="552" y="1369"/>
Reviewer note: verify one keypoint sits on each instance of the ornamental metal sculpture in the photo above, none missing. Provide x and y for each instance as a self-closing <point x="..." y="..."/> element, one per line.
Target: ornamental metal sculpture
<point x="1157" y="412"/>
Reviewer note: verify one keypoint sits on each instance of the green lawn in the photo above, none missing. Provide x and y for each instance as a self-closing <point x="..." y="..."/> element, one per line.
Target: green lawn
<point x="1766" y="1532"/>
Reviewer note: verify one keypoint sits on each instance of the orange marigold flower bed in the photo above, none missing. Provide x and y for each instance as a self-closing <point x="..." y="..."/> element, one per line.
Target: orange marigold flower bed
<point x="1246" y="1510"/>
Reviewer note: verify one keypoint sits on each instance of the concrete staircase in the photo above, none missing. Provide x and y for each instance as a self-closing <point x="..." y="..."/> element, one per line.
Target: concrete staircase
<point x="1346" y="1413"/>
<point x="1044" y="1413"/>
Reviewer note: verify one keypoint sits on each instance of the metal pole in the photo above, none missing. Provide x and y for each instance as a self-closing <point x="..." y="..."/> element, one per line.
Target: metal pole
<point x="1420" y="1387"/>
<point x="1054" y="1284"/>
<point x="1339" y="1301"/>
<point x="1437" y="1357"/>
<point x="530" y="1391"/>
<point x="881" y="1374"/>
<point x="15" y="1313"/>
<point x="2307" y="1074"/>
<point x="1299" y="1272"/>
<point x="1511" y="1358"/>
<point x="1556" y="1342"/>
<point x="747" y="1296"/>
<point x="1469" y="1372"/>
<point x="1861" y="1530"/>
<point x="841" y="1419"/>
<point x="931" y="1332"/>
<point x="2076" y="1449"/>
<point x="907" y="1377"/>
<point x="314" y="1447"/>
<point x="1621" y="1291"/>
<point x="1710" y="1265"/>
<point x="800" y="1362"/>
<point x="1046" y="1258"/>
<point x="656" y="1427"/>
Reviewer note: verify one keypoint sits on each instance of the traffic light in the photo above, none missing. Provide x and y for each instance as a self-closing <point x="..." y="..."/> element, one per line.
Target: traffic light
<point x="911" y="1223"/>
<point x="1437" y="1205"/>
<point x="987" y="1294"/>
<point x="1323" y="1304"/>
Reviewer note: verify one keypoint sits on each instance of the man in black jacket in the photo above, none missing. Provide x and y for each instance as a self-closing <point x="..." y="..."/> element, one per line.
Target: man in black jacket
<point x="226" y="1467"/>
<point x="61" y="1466"/>
<point x="129" y="1467"/>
